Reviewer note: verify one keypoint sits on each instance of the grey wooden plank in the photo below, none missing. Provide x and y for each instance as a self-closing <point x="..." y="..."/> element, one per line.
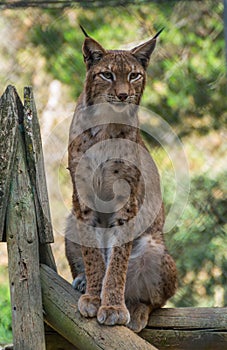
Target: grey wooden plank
<point x="190" y="318"/>
<point x="9" y="102"/>
<point x="173" y="339"/>
<point x="35" y="161"/>
<point x="187" y="328"/>
<point x="24" y="273"/>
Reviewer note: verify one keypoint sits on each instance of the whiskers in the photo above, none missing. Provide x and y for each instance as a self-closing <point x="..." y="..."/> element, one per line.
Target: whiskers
<point x="110" y="98"/>
<point x="132" y="99"/>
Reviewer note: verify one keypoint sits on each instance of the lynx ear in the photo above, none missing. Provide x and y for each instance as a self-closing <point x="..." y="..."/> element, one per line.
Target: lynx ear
<point x="143" y="52"/>
<point x="92" y="51"/>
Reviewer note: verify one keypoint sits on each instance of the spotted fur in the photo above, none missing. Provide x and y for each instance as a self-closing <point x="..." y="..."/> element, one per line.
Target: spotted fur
<point x="124" y="283"/>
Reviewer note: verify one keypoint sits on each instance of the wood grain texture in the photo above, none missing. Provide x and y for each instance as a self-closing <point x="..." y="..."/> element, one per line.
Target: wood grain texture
<point x="24" y="273"/>
<point x="9" y="102"/>
<point x="61" y="313"/>
<point x="190" y="318"/>
<point x="172" y="339"/>
<point x="188" y="328"/>
<point x="34" y="154"/>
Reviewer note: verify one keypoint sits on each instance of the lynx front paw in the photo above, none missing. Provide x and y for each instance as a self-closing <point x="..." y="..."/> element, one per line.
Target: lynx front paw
<point x="88" y="305"/>
<point x="112" y="315"/>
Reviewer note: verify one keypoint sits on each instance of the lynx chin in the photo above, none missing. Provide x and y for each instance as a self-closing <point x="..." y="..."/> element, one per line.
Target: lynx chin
<point x="114" y="234"/>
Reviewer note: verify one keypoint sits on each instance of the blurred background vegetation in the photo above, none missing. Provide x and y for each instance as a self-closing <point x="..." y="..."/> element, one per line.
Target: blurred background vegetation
<point x="186" y="86"/>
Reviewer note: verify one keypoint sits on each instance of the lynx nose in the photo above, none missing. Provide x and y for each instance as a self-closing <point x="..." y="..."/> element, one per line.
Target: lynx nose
<point x="122" y="97"/>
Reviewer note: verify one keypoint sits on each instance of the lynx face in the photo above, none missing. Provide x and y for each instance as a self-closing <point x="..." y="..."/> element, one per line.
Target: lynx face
<point x="116" y="80"/>
<point x="117" y="77"/>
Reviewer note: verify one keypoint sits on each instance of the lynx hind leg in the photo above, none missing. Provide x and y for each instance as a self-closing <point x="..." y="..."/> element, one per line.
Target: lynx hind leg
<point x="139" y="315"/>
<point x="169" y="276"/>
<point x="74" y="256"/>
<point x="79" y="283"/>
<point x="151" y="280"/>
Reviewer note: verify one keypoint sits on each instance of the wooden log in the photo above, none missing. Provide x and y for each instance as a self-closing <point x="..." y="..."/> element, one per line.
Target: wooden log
<point x="35" y="161"/>
<point x="188" y="328"/>
<point x="190" y="318"/>
<point x="22" y="244"/>
<point x="8" y="140"/>
<point x="61" y="313"/>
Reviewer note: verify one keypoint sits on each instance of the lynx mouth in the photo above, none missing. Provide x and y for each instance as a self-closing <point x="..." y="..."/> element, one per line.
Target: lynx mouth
<point x="119" y="106"/>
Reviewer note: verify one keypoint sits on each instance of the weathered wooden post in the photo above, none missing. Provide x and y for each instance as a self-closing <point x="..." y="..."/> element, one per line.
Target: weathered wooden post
<point x="35" y="164"/>
<point x="19" y="228"/>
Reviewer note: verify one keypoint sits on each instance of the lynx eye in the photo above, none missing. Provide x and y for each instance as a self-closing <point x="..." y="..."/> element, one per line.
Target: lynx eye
<point x="107" y="76"/>
<point x="134" y="76"/>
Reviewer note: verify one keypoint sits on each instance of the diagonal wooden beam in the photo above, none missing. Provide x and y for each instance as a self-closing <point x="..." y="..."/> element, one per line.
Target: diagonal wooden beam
<point x="61" y="313"/>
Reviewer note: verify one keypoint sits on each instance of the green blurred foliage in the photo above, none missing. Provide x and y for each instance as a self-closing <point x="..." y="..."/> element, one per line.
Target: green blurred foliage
<point x="199" y="243"/>
<point x="186" y="78"/>
<point x="5" y="312"/>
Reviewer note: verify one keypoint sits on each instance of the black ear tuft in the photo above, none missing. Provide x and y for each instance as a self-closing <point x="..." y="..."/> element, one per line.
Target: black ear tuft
<point x="157" y="34"/>
<point x="143" y="52"/>
<point x="83" y="30"/>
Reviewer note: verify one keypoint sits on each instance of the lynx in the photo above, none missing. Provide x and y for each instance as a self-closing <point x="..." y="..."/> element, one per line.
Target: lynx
<point x="123" y="276"/>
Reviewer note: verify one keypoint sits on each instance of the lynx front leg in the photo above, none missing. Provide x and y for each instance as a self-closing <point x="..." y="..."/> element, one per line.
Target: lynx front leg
<point x="113" y="309"/>
<point x="89" y="303"/>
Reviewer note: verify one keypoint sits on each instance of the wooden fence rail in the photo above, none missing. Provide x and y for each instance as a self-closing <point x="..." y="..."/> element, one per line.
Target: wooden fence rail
<point x="44" y="305"/>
